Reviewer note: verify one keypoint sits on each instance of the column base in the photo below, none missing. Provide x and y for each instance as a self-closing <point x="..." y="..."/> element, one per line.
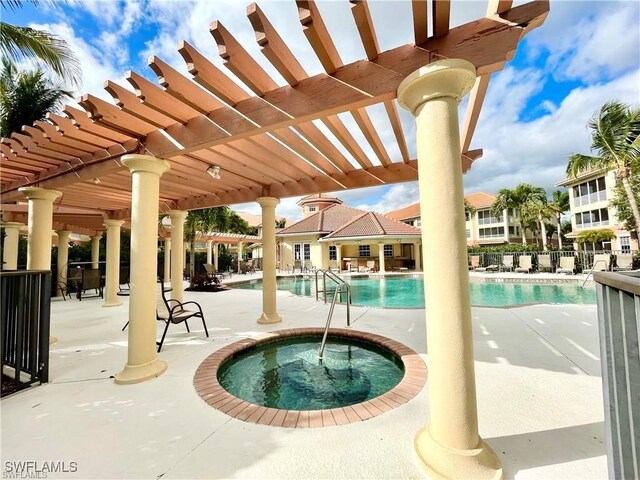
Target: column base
<point x="441" y="461"/>
<point x="139" y="373"/>
<point x="269" y="318"/>
<point x="113" y="303"/>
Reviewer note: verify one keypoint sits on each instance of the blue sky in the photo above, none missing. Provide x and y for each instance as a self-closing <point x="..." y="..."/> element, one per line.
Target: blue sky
<point x="534" y="116"/>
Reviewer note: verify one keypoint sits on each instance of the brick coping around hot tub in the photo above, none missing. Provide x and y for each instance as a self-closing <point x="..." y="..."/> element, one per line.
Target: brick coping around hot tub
<point x="207" y="386"/>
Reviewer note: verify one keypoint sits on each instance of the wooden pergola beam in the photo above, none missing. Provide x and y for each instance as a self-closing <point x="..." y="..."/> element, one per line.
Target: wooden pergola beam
<point x="420" y="21"/>
<point x="316" y="32"/>
<point x="362" y="17"/>
<point x="476" y="98"/>
<point x="441" y="10"/>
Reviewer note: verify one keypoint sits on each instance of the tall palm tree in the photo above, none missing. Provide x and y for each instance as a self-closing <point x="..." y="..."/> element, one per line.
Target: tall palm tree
<point x="202" y="222"/>
<point x="23" y="42"/>
<point x="518" y="198"/>
<point x="26" y="97"/>
<point x="559" y="204"/>
<point x="615" y="139"/>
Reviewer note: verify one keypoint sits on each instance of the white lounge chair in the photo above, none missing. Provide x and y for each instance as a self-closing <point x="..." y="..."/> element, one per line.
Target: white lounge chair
<point x="601" y="261"/>
<point x="624" y="261"/>
<point x="507" y="263"/>
<point x="474" y="262"/>
<point x="544" y="262"/>
<point x="525" y="264"/>
<point x="567" y="265"/>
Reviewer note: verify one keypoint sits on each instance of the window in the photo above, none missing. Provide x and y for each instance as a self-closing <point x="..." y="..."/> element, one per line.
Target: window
<point x="468" y="233"/>
<point x="312" y="208"/>
<point x="590" y="192"/>
<point x="388" y="250"/>
<point x="418" y="222"/>
<point x="485" y="217"/>
<point x="364" y="251"/>
<point x="493" y="232"/>
<point x="296" y="251"/>
<point x="625" y="244"/>
<point x="593" y="218"/>
<point x="302" y="251"/>
<point x="333" y="252"/>
<point x="307" y="251"/>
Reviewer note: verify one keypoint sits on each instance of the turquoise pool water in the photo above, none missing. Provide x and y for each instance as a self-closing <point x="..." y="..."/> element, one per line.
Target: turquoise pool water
<point x="408" y="292"/>
<point x="287" y="374"/>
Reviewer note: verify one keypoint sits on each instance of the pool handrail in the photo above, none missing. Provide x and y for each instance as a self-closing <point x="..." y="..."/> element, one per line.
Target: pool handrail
<point x="330" y="316"/>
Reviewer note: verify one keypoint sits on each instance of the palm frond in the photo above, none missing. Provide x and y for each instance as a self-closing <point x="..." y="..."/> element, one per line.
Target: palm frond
<point x="17" y="42"/>
<point x="580" y="163"/>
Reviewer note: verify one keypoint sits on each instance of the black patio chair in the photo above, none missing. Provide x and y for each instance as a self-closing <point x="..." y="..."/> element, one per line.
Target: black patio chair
<point x="170" y="310"/>
<point x="91" y="280"/>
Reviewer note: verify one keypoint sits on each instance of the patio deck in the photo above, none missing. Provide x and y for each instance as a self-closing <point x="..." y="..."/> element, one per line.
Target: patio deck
<point x="546" y="421"/>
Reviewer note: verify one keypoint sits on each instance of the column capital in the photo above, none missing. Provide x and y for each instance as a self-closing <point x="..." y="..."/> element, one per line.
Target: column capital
<point x="97" y="236"/>
<point x="63" y="233"/>
<point x="145" y="163"/>
<point x="177" y="214"/>
<point x="7" y="225"/>
<point x="109" y="222"/>
<point x="209" y="242"/>
<point x="37" y="193"/>
<point x="268" y="201"/>
<point x="444" y="78"/>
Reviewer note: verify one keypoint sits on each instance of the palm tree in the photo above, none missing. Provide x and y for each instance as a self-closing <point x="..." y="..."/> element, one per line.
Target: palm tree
<point x="615" y="138"/>
<point x="518" y="198"/>
<point x="23" y="42"/>
<point x="26" y="97"/>
<point x="595" y="236"/>
<point x="559" y="204"/>
<point x="469" y="209"/>
<point x="539" y="210"/>
<point x="281" y="223"/>
<point x="202" y="222"/>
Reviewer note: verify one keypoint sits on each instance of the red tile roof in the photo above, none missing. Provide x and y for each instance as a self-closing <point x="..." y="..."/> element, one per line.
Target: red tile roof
<point x="476" y="200"/>
<point x="372" y="224"/>
<point x="324" y="221"/>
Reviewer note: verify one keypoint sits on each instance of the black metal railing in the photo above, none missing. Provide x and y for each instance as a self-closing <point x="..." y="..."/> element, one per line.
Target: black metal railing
<point x="618" y="296"/>
<point x="24" y="324"/>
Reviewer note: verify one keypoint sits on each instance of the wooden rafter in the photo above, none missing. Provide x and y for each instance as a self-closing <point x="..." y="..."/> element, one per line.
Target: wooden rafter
<point x="476" y="98"/>
<point x="263" y="135"/>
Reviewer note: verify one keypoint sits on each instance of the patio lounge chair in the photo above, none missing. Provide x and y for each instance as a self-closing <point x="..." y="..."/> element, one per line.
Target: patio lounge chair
<point x="544" y="262"/>
<point x="170" y="310"/>
<point x="624" y="261"/>
<point x="601" y="261"/>
<point x="371" y="265"/>
<point x="211" y="272"/>
<point x="474" y="262"/>
<point x="507" y="263"/>
<point x="567" y="265"/>
<point x="297" y="264"/>
<point x="91" y="280"/>
<point x="525" y="264"/>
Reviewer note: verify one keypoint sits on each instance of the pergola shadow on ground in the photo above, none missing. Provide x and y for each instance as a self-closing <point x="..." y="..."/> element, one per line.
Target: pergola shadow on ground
<point x="207" y="140"/>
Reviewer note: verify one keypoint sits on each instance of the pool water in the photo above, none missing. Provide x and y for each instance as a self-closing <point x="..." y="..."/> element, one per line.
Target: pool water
<point x="287" y="374"/>
<point x="408" y="292"/>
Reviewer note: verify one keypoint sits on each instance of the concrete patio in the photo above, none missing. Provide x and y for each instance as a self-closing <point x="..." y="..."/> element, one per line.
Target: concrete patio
<point x="538" y="380"/>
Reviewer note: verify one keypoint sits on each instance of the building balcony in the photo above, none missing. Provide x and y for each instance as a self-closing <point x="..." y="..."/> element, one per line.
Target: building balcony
<point x="590" y="198"/>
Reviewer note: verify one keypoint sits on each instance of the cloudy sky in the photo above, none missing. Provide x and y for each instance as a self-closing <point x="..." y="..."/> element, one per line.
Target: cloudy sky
<point x="534" y="116"/>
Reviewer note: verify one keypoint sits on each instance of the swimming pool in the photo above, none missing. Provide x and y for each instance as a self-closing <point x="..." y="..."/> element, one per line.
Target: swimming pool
<point x="408" y="291"/>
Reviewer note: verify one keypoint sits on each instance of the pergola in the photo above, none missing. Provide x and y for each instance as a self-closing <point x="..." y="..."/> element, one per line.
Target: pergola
<point x="150" y="151"/>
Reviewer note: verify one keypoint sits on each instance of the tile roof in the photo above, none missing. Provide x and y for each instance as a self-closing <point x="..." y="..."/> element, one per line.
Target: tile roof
<point x="324" y="221"/>
<point x="476" y="200"/>
<point x="372" y="224"/>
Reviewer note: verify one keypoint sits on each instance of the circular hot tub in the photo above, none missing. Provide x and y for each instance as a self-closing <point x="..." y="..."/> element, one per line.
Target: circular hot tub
<point x="278" y="378"/>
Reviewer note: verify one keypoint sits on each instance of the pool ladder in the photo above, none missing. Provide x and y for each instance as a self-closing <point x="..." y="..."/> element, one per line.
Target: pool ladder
<point x="341" y="286"/>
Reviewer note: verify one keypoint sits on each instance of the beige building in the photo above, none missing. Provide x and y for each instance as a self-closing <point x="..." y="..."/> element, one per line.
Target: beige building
<point x="346" y="239"/>
<point x="589" y="196"/>
<point x="482" y="228"/>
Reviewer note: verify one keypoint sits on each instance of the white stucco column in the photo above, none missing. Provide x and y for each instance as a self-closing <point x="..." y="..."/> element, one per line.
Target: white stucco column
<point x="269" y="308"/>
<point x="416" y="250"/>
<point x="142" y="361"/>
<point x="339" y="256"/>
<point x="450" y="446"/>
<point x="167" y="259"/>
<point x="240" y="245"/>
<point x="112" y="269"/>
<point x="215" y="256"/>
<point x="11" y="242"/>
<point x="178" y="252"/>
<point x="209" y="247"/>
<point x="381" y="268"/>
<point x="63" y="258"/>
<point x="40" y="223"/>
<point x="95" y="250"/>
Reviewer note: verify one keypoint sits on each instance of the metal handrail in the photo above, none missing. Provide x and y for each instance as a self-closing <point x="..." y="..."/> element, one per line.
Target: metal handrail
<point x="591" y="271"/>
<point x="341" y="285"/>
